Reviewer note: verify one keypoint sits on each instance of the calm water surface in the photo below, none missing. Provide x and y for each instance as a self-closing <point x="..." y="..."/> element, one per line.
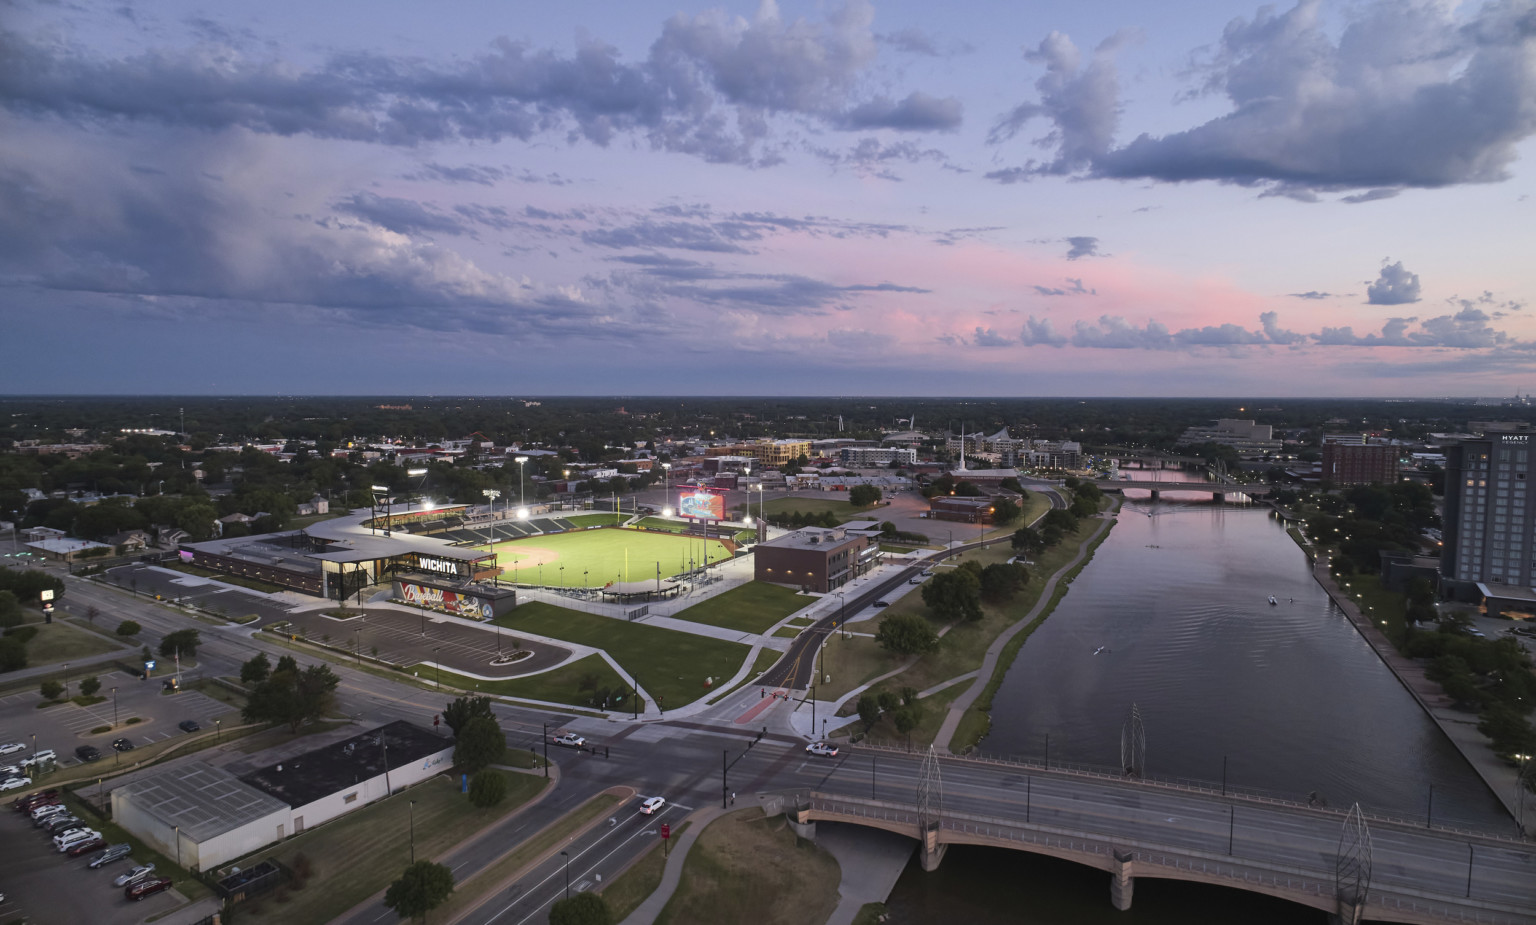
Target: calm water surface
<point x="1175" y="603"/>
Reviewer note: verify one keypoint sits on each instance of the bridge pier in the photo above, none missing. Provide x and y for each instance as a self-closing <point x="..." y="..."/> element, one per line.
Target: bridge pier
<point x="933" y="850"/>
<point x="801" y="823"/>
<point x="1156" y="495"/>
<point x="1122" y="880"/>
<point x="1218" y="496"/>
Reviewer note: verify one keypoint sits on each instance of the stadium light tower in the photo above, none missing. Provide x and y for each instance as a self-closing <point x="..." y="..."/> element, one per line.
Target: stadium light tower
<point x="492" y="494"/>
<point x="521" y="462"/>
<point x="666" y="484"/>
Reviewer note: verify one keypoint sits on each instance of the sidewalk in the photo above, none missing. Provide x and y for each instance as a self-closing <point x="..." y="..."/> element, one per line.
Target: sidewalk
<point x="672" y="875"/>
<point x="995" y="650"/>
<point x="1459" y="726"/>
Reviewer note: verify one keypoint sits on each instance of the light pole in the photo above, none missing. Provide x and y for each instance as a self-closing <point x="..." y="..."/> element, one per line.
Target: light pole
<point x="521" y="467"/>
<point x="1520" y="783"/>
<point x="493" y="494"/>
<point x="114" y="708"/>
<point x="357" y="645"/>
<point x="439" y="667"/>
<point x="412" y="810"/>
<point x="218" y="731"/>
<point x="666" y="484"/>
<point x="567" y="856"/>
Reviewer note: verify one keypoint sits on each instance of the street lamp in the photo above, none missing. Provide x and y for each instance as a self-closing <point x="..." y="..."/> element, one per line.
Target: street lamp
<point x="439" y="667"/>
<point x="521" y="461"/>
<point x="218" y="731"/>
<point x="114" y="708"/>
<point x="567" y="856"/>
<point x="412" y="811"/>
<point x="357" y="644"/>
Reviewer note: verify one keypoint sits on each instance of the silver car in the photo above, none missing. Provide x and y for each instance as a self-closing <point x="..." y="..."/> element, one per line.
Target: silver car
<point x="110" y="854"/>
<point x="134" y="875"/>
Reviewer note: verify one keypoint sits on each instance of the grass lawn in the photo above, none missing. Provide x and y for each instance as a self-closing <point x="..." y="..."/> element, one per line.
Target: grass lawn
<point x="628" y="890"/>
<point x="595" y="558"/>
<point x="788" y="632"/>
<point x="593" y="520"/>
<point x="670" y="665"/>
<point x="742" y="869"/>
<point x="766" y="659"/>
<point x="935" y="708"/>
<point x="751" y="608"/>
<point x="561" y="685"/>
<point x="59" y="642"/>
<point x="1380" y="605"/>
<point x="665" y="525"/>
<point x="362" y="852"/>
<point x="842" y="510"/>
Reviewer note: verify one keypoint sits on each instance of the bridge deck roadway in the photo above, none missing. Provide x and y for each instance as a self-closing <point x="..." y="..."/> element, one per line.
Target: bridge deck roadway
<point x="1420" y="875"/>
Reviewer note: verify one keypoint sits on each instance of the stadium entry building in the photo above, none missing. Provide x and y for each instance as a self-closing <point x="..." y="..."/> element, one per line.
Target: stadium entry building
<point x="337" y="558"/>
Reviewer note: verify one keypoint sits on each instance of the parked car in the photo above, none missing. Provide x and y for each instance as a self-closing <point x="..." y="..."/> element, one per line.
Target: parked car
<point x="882" y="603"/>
<point x="14" y="783"/>
<point x="110" y="854"/>
<point x="11" y="748"/>
<point x="147" y="887"/>
<point x="46" y="756"/>
<point x="58" y="825"/>
<point x="122" y="745"/>
<point x="70" y="839"/>
<point x="21" y="804"/>
<point x="88" y="753"/>
<point x="11" y="770"/>
<point x="46" y="810"/>
<point x="571" y="739"/>
<point x="85" y="847"/>
<point x="651" y="804"/>
<point x="916" y="580"/>
<point x="189" y="725"/>
<point x="822" y="748"/>
<point x="134" y="874"/>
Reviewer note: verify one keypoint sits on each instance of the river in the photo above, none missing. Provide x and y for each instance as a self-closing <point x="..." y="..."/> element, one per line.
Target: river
<point x="1173" y="615"/>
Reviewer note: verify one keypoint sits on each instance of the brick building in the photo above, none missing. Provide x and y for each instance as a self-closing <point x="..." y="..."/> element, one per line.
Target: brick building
<point x="814" y="558"/>
<point x="1358" y="464"/>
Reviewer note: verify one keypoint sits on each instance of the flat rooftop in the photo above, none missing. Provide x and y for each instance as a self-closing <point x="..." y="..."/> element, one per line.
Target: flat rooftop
<point x="305" y="778"/>
<point x="809" y="538"/>
<point x="204" y="801"/>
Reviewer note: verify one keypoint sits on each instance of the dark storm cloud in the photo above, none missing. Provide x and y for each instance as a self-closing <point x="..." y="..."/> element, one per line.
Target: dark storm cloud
<point x="919" y="112"/>
<point x="405" y="216"/>
<point x="705" y="89"/>
<point x="1082" y="247"/>
<point x="1406" y="96"/>
<point x="1395" y="286"/>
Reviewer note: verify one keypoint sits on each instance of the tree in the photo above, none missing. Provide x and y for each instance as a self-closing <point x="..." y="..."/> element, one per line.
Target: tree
<point x="286" y="663"/>
<point x="128" y="628"/>
<point x="291" y="696"/>
<point x="13" y="654"/>
<point x="10" y="610"/>
<point x="51" y="690"/>
<point x="954" y="595"/>
<point x="1001" y="581"/>
<point x="90" y="685"/>
<point x="180" y="642"/>
<point x="863" y="495"/>
<point x="581" y="909"/>
<point x="869" y="711"/>
<point x="423" y="887"/>
<point x="460" y="711"/>
<point x="481" y="743"/>
<point x="487" y="788"/>
<point x="91" y="613"/>
<point x="1004" y="511"/>
<point x="1028" y="541"/>
<point x="255" y="669"/>
<point x="906" y="634"/>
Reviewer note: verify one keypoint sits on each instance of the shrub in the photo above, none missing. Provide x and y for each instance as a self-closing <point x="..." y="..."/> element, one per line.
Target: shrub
<point x="132" y="720"/>
<point x="487" y="788"/>
<point x="90" y="685"/>
<point x="128" y="628"/>
<point x="51" y="690"/>
<point x="100" y="729"/>
<point x="22" y="634"/>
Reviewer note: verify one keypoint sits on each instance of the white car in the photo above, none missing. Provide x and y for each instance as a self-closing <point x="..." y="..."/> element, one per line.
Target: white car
<point x="13" y="783"/>
<point x="70" y="839"/>
<point x="46" y="756"/>
<point x="134" y="875"/>
<point x="651" y="804"/>
<point x="571" y="739"/>
<point x="48" y="809"/>
<point x="822" y="748"/>
<point x="11" y="748"/>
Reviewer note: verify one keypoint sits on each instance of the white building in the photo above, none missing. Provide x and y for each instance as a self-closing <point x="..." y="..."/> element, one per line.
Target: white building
<point x="200" y="815"/>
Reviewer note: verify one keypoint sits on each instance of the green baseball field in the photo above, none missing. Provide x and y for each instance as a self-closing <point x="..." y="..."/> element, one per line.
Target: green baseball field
<point x="596" y="558"/>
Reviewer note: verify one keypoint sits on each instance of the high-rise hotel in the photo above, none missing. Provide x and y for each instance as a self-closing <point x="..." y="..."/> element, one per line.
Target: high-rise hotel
<point x="1490" y="524"/>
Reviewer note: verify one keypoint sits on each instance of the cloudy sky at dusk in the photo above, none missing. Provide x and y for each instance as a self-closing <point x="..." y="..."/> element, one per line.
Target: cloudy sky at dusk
<point x="1089" y="198"/>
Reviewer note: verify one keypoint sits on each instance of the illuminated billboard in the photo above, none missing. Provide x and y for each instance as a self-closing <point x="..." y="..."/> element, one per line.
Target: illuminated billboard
<point x="701" y="505"/>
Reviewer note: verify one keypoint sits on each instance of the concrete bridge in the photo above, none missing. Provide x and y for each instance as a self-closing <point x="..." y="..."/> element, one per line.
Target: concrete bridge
<point x="1217" y="490"/>
<point x="1131" y="828"/>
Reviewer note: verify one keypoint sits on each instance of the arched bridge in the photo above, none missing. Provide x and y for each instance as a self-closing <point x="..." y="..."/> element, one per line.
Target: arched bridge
<point x="1131" y="829"/>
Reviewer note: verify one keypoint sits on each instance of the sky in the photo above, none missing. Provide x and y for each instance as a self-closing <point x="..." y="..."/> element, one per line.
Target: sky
<point x="1085" y="198"/>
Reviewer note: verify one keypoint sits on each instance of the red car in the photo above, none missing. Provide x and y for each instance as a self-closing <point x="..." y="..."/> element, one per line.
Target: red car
<point x="86" y="847"/>
<point x="148" y="887"/>
<point x="22" y="804"/>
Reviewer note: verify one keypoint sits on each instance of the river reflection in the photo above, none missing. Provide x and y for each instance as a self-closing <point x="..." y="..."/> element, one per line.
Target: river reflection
<point x="1173" y="615"/>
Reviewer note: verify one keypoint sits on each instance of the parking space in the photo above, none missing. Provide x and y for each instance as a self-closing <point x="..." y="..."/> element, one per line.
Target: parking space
<point x="208" y="594"/>
<point x="42" y="885"/>
<point x="67" y="726"/>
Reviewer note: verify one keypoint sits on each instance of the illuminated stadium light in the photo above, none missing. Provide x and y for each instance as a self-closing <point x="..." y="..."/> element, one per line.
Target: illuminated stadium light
<point x="522" y="513"/>
<point x="666" y="512"/>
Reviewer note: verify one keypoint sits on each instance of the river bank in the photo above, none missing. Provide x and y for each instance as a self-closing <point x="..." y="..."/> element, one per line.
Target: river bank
<point x="1459" y="726"/>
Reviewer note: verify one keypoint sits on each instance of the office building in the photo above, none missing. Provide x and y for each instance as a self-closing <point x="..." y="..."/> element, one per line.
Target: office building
<point x="1489" y="525"/>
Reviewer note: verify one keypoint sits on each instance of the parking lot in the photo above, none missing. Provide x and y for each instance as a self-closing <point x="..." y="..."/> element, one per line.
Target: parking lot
<point x="67" y="726"/>
<point x="43" y="885"/>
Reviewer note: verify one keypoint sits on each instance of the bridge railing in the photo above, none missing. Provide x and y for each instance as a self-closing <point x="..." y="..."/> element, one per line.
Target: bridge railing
<point x="1187" y="785"/>
<point x="1254" y="873"/>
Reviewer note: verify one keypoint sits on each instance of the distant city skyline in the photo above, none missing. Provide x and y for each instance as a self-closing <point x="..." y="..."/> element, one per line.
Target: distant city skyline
<point x="859" y="198"/>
